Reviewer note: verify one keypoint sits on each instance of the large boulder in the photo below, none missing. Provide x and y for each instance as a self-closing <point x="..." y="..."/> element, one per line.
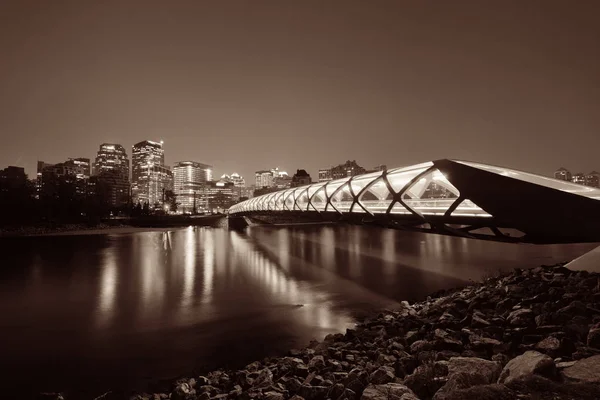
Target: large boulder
<point x="466" y="372"/>
<point x="480" y="392"/>
<point x="490" y="370"/>
<point x="183" y="391"/>
<point x="521" y="317"/>
<point x="382" y="375"/>
<point x="389" y="391"/>
<point x="313" y="392"/>
<point x="317" y="362"/>
<point x="585" y="370"/>
<point x="593" y="337"/>
<point x="531" y="362"/>
<point x="427" y="378"/>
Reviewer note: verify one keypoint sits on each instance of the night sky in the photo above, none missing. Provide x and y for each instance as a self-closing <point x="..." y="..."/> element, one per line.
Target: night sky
<point x="248" y="85"/>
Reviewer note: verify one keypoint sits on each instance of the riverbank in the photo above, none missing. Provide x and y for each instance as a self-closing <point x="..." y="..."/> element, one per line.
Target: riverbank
<point x="61" y="229"/>
<point x="532" y="334"/>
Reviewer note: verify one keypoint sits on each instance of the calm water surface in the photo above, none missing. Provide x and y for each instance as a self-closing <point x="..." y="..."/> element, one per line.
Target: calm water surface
<point x="98" y="312"/>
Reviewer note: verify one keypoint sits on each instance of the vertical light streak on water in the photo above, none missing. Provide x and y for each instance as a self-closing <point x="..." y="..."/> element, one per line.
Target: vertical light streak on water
<point x="108" y="288"/>
<point x="208" y="265"/>
<point x="189" y="271"/>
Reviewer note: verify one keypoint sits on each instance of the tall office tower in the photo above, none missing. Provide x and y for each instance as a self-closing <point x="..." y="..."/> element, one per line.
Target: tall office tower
<point x="563" y="174"/>
<point x="189" y="178"/>
<point x="150" y="178"/>
<point x="111" y="169"/>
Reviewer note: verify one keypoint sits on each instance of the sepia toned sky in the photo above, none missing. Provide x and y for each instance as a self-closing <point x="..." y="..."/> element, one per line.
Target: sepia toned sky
<point x="249" y="85"/>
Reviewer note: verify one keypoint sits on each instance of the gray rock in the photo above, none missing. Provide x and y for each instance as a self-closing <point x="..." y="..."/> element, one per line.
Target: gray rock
<point x="490" y="370"/>
<point x="460" y="380"/>
<point x="531" y="362"/>
<point x="264" y="379"/>
<point x="494" y="391"/>
<point x="521" y="317"/>
<point x="420" y="345"/>
<point x="273" y="395"/>
<point x="317" y="362"/>
<point x="593" y="337"/>
<point x="182" y="392"/>
<point x="549" y="345"/>
<point x="389" y="391"/>
<point x="313" y="392"/>
<point x="427" y="378"/>
<point x="382" y="375"/>
<point x="585" y="370"/>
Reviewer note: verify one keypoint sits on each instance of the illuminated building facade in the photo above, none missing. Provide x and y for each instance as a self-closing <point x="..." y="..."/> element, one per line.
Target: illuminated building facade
<point x="111" y="168"/>
<point x="236" y="179"/>
<point x="150" y="178"/>
<point x="324" y="174"/>
<point x="189" y="178"/>
<point x="218" y="195"/>
<point x="263" y="179"/>
<point x="578" y="179"/>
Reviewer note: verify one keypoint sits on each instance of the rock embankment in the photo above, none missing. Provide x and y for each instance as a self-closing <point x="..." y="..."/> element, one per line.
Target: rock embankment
<point x="533" y="334"/>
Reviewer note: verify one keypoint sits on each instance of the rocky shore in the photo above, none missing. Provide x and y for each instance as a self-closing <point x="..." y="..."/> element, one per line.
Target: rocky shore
<point x="532" y="334"/>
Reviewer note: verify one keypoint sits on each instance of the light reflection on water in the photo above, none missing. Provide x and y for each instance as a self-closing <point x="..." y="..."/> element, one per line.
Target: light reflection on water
<point x="113" y="309"/>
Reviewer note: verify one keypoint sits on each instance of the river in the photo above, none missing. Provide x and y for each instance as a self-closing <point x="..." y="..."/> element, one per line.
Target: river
<point x="114" y="311"/>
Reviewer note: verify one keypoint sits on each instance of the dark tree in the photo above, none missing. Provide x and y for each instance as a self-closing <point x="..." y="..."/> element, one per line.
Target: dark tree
<point x="171" y="200"/>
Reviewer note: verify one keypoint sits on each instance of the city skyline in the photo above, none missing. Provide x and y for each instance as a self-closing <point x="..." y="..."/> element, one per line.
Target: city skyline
<point x="234" y="85"/>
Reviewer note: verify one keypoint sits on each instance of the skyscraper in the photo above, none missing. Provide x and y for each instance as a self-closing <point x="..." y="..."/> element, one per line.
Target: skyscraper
<point x="111" y="168"/>
<point x="189" y="178"/>
<point x="150" y="178"/>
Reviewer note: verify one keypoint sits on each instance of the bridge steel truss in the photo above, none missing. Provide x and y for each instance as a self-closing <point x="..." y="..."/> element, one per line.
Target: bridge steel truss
<point x="451" y="197"/>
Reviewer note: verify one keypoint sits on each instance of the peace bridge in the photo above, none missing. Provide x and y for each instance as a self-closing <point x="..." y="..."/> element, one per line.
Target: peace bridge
<point x="449" y="197"/>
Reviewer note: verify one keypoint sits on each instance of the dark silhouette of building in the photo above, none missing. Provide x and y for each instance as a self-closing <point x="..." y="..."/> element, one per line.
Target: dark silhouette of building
<point x="593" y="179"/>
<point x="349" y="168"/>
<point x="301" y="178"/>
<point x="12" y="177"/>
<point x="563" y="174"/>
